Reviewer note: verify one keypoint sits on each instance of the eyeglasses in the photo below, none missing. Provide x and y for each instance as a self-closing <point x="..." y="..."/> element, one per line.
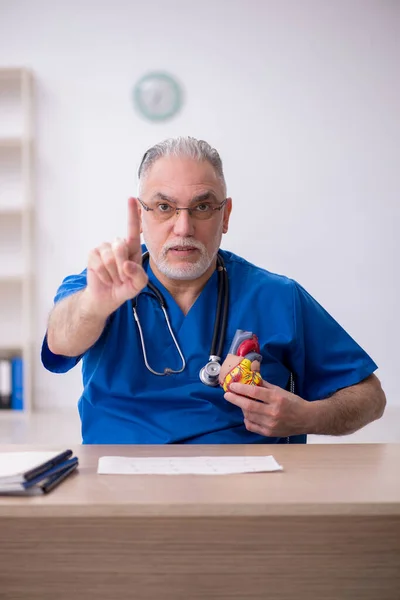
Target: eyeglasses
<point x="202" y="211"/>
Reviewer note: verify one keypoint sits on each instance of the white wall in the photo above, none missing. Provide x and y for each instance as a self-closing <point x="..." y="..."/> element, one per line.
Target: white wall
<point x="302" y="100"/>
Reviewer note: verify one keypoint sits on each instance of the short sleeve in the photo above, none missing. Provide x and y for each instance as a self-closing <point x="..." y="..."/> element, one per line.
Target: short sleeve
<point x="57" y="363"/>
<point x="325" y="358"/>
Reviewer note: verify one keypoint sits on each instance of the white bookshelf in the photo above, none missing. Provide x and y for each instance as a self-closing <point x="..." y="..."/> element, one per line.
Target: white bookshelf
<point x="16" y="227"/>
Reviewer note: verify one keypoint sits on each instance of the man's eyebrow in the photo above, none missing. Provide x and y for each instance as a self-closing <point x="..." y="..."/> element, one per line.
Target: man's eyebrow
<point x="205" y="196"/>
<point x="209" y="195"/>
<point x="164" y="197"/>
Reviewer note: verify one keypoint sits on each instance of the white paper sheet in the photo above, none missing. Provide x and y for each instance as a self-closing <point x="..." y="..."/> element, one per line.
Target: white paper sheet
<point x="14" y="463"/>
<point x="196" y="465"/>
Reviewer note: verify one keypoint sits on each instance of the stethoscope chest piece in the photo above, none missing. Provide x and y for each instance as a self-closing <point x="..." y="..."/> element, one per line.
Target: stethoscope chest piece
<point x="209" y="374"/>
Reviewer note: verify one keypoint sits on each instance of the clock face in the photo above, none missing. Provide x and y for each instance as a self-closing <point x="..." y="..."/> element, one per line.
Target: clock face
<point x="157" y="96"/>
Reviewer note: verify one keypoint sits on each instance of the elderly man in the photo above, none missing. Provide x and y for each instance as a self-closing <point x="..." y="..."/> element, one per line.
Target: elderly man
<point x="146" y="325"/>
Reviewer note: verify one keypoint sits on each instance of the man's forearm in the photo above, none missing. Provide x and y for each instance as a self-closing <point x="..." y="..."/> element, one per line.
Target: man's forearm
<point x="74" y="326"/>
<point x="349" y="409"/>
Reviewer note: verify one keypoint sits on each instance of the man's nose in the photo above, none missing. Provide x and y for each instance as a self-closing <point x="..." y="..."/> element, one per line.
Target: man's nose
<point x="183" y="225"/>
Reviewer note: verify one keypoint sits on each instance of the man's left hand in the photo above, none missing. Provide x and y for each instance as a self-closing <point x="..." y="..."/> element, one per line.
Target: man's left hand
<point x="270" y="410"/>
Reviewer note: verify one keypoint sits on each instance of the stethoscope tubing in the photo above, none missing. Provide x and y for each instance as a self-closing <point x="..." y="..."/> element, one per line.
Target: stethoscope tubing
<point x="220" y="324"/>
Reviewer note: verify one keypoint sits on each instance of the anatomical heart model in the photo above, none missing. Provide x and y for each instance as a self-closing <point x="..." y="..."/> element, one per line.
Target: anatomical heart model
<point x="243" y="361"/>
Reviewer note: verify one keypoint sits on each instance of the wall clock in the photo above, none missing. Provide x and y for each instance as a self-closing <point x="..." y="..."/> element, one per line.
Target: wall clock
<point x="158" y="96"/>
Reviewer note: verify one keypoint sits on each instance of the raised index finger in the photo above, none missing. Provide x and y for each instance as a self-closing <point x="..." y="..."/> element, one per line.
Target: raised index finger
<point x="133" y="232"/>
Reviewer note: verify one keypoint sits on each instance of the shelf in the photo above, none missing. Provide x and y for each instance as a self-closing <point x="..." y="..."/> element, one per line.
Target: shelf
<point x="11" y="413"/>
<point x="16" y="236"/>
<point x="12" y="248"/>
<point x="11" y="278"/>
<point x="12" y="320"/>
<point x="12" y="114"/>
<point x="7" y="73"/>
<point x="13" y="211"/>
<point x="11" y="142"/>
<point x="12" y="347"/>
<point x="11" y="352"/>
<point x="11" y="172"/>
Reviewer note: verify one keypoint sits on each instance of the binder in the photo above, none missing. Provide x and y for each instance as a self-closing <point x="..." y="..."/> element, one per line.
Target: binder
<point x="45" y="481"/>
<point x="17" y="383"/>
<point x="5" y="383"/>
<point x="26" y="471"/>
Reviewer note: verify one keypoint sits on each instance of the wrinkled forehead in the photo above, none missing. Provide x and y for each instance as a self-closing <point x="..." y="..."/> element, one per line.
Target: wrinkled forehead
<point x="180" y="177"/>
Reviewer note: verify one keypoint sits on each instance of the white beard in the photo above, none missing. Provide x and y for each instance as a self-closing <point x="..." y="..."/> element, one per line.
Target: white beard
<point x="189" y="271"/>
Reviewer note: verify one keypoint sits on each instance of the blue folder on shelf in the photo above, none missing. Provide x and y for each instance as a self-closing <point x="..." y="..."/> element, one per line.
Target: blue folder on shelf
<point x="17" y="383"/>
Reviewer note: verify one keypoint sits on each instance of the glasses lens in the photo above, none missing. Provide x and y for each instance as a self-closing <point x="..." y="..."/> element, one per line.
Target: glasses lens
<point x="203" y="211"/>
<point x="162" y="211"/>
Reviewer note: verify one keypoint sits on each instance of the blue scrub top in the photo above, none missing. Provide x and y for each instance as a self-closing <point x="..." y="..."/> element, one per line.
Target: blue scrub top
<point x="123" y="403"/>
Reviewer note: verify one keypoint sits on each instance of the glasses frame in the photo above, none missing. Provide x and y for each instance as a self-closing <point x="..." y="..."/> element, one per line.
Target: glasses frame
<point x="189" y="209"/>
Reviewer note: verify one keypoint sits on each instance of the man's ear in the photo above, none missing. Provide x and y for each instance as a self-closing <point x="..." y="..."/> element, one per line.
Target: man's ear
<point x="227" y="214"/>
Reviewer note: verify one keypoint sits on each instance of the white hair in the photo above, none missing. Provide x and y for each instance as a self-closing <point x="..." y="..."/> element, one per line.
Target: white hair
<point x="187" y="147"/>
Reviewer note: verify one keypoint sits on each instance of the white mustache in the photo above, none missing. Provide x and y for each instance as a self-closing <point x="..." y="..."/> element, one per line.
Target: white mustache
<point x="183" y="243"/>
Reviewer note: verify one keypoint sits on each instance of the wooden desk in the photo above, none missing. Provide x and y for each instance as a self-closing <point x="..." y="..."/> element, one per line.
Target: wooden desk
<point x="326" y="528"/>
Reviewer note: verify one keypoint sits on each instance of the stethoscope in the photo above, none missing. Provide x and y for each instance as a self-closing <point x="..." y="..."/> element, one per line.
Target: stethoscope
<point x="209" y="374"/>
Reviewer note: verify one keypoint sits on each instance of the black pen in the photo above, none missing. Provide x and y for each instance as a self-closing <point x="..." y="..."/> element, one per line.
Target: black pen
<point x="53" y="462"/>
<point x="50" y="474"/>
<point x="54" y="481"/>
